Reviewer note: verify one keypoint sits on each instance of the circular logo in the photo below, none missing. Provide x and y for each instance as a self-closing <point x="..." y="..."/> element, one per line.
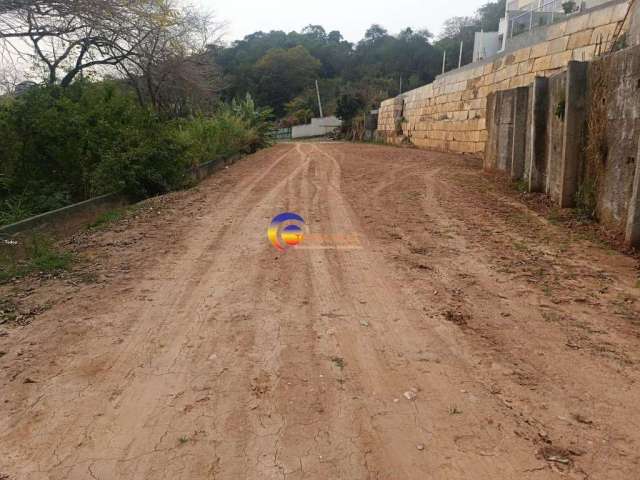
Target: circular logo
<point x="286" y="231"/>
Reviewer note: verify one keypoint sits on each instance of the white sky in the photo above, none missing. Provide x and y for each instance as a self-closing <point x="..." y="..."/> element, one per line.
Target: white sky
<point x="351" y="17"/>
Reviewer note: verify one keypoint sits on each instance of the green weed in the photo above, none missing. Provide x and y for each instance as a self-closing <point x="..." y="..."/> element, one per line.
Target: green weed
<point x="338" y="362"/>
<point x="521" y="247"/>
<point x="587" y="201"/>
<point x="554" y="216"/>
<point x="107" y="219"/>
<point x="39" y="255"/>
<point x="521" y="186"/>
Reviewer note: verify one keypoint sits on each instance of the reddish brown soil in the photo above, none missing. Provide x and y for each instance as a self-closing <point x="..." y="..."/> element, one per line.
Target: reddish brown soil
<point x="468" y="339"/>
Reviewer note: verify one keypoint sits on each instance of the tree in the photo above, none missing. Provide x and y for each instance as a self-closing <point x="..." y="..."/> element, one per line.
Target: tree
<point x="456" y="30"/>
<point x="14" y="12"/>
<point x="490" y="15"/>
<point x="349" y="106"/>
<point x="9" y="80"/>
<point x="316" y="32"/>
<point x="373" y="68"/>
<point x="462" y="29"/>
<point x="172" y="68"/>
<point x="67" y="38"/>
<point x="282" y="74"/>
<point x="375" y="33"/>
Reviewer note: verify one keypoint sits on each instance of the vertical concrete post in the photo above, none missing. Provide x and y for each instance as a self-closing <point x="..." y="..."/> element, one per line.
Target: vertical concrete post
<point x="634" y="27"/>
<point x="519" y="147"/>
<point x="505" y="100"/>
<point x="633" y="220"/>
<point x="491" y="148"/>
<point x="574" y="132"/>
<point x="539" y="109"/>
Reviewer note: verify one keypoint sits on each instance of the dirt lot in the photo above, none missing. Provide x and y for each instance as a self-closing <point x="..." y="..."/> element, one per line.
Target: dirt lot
<point x="469" y="337"/>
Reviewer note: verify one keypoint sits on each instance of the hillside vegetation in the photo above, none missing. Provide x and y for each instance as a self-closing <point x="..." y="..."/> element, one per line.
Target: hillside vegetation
<point x="127" y="102"/>
<point x="279" y="68"/>
<point x="127" y="96"/>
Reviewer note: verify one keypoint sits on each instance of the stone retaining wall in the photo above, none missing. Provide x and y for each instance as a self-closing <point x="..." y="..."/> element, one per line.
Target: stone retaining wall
<point x="449" y="114"/>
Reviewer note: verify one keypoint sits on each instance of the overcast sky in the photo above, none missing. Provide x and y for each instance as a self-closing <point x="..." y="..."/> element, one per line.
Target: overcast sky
<point x="351" y="17"/>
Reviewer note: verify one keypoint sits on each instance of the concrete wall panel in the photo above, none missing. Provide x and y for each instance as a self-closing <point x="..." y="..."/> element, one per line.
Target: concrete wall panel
<point x="555" y="133"/>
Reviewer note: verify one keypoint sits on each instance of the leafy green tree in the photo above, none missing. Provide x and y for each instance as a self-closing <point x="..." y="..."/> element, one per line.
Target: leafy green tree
<point x="374" y="67"/>
<point x="375" y="33"/>
<point x="490" y="15"/>
<point x="282" y="74"/>
<point x="63" y="145"/>
<point x="462" y="29"/>
<point x="349" y="106"/>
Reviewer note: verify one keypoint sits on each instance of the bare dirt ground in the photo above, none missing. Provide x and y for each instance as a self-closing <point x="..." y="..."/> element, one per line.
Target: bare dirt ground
<point x="469" y="338"/>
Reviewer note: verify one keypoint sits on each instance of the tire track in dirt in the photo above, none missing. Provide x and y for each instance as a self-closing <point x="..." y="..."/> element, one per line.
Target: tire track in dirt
<point x="544" y="385"/>
<point x="227" y="359"/>
<point x="144" y="345"/>
<point x="383" y="364"/>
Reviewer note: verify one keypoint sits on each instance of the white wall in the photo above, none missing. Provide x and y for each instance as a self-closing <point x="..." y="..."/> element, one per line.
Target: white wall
<point x="318" y="128"/>
<point x="486" y="44"/>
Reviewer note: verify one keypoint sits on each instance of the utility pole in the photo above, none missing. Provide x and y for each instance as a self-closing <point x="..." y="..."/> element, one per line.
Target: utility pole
<point x="444" y="60"/>
<point x="319" y="100"/>
<point x="460" y="57"/>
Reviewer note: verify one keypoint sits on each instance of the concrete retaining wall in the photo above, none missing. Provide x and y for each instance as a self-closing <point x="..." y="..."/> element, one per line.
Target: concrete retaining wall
<point x="450" y="114"/>
<point x="555" y="134"/>
<point x="614" y="83"/>
<point x="582" y="128"/>
<point x="634" y="27"/>
<point x="73" y="216"/>
<point x="67" y="218"/>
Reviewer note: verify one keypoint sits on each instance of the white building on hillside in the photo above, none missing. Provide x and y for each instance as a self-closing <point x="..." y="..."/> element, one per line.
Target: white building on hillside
<point x="526" y="16"/>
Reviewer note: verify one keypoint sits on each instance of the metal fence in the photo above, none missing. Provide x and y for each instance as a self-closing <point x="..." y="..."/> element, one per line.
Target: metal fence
<point x="534" y="16"/>
<point x="280" y="134"/>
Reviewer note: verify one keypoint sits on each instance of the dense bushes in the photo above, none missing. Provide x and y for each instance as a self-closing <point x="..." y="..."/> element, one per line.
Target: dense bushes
<point x="59" y="146"/>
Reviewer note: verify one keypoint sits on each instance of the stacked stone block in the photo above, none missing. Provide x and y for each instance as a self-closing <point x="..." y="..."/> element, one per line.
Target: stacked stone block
<point x="449" y="114"/>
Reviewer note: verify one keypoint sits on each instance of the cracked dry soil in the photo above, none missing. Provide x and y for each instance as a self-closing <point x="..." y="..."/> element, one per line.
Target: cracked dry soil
<point x="468" y="338"/>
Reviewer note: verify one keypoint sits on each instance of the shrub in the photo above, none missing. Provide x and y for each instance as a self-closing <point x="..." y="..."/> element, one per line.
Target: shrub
<point x="235" y="129"/>
<point x="143" y="167"/>
<point x="587" y="201"/>
<point x="349" y="106"/>
<point x="569" y="7"/>
<point x="58" y="139"/>
<point x="61" y="146"/>
<point x="257" y="120"/>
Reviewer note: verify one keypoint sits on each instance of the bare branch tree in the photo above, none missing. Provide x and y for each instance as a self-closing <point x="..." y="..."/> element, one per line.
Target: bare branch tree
<point x="172" y="68"/>
<point x="9" y="79"/>
<point x="72" y="36"/>
<point x="160" y="46"/>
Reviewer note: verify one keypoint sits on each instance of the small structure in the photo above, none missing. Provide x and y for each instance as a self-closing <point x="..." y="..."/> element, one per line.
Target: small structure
<point x="319" y="127"/>
<point x="527" y="16"/>
<point x="486" y="44"/>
